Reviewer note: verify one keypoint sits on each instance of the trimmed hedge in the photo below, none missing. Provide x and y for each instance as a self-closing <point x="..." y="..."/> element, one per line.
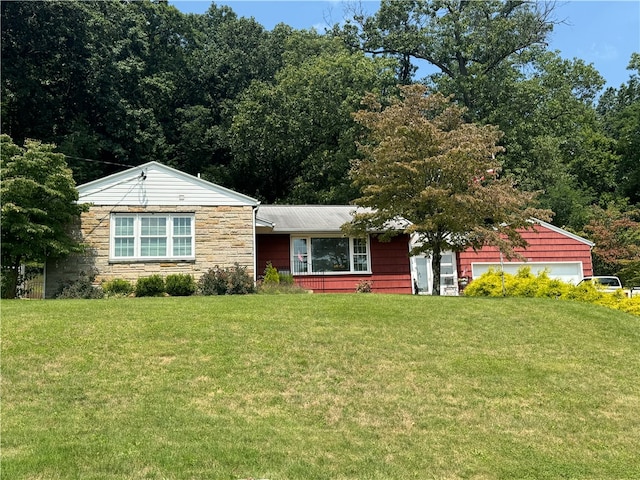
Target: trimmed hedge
<point x="152" y="286"/>
<point x="180" y="285"/>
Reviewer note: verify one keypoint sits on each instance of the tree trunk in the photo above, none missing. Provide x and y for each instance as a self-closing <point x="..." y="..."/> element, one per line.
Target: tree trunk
<point x="436" y="258"/>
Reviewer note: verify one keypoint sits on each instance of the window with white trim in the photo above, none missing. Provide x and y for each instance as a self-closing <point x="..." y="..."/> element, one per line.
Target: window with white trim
<point x="144" y="236"/>
<point x="329" y="255"/>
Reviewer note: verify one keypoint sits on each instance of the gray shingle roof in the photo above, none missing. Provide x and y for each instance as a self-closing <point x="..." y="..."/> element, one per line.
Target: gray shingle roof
<point x="307" y="218"/>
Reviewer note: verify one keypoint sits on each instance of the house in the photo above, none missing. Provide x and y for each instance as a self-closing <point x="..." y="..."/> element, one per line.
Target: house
<point x="154" y="219"/>
<point x="562" y="254"/>
<point x="307" y="242"/>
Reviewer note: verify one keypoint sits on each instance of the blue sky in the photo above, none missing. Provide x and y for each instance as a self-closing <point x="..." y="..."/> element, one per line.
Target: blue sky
<point x="602" y="32"/>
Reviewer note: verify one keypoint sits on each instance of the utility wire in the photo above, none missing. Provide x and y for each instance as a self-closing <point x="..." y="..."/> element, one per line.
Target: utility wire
<point x="97" y="161"/>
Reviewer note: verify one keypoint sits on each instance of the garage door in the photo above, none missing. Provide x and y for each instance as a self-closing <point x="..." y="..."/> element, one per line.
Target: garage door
<point x="570" y="272"/>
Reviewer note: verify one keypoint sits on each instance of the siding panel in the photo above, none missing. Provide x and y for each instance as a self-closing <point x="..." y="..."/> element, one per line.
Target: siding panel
<point x="544" y="245"/>
<point x="155" y="184"/>
<point x="391" y="272"/>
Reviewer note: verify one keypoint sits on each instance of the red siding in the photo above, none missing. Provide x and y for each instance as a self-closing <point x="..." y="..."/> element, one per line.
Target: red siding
<point x="391" y="272"/>
<point x="272" y="248"/>
<point x="545" y="245"/>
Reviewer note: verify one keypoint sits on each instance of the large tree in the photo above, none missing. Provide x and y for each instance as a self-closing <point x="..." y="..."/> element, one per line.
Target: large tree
<point x="292" y="138"/>
<point x="619" y="110"/>
<point x="39" y="205"/>
<point x="616" y="233"/>
<point x="422" y="162"/>
<point x="468" y="43"/>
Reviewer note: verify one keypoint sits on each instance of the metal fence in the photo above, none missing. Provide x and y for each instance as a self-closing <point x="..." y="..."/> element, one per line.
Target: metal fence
<point x="31" y="282"/>
<point x="315" y="282"/>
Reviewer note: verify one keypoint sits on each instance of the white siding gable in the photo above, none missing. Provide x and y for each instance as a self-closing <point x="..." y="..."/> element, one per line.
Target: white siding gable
<point x="156" y="184"/>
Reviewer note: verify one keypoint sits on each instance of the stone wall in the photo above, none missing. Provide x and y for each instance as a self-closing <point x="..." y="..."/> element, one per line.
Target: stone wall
<point x="223" y="236"/>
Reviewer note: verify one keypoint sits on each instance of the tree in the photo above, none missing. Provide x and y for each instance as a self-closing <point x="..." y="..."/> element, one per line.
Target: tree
<point x="467" y="42"/>
<point x="292" y="138"/>
<point x="553" y="140"/>
<point x="492" y="57"/>
<point x="619" y="110"/>
<point x="616" y="234"/>
<point x="38" y="207"/>
<point x="420" y="161"/>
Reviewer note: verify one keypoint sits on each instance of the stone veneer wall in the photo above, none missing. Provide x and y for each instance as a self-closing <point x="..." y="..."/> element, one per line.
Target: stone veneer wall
<point x="223" y="236"/>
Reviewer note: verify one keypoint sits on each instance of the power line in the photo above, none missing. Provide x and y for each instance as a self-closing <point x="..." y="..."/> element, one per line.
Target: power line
<point x="97" y="161"/>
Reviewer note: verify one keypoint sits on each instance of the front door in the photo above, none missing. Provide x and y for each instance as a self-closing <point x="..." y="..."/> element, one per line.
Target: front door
<point x="422" y="274"/>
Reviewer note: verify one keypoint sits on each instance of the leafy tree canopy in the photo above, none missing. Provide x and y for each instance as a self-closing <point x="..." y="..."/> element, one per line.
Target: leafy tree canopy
<point x="422" y="162"/>
<point x="292" y="138"/>
<point x="38" y="206"/>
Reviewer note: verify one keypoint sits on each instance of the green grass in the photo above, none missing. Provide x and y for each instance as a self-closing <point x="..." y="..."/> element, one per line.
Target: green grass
<point x="319" y="387"/>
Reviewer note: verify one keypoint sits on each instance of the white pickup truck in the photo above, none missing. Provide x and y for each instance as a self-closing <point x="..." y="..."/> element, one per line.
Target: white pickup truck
<point x="611" y="284"/>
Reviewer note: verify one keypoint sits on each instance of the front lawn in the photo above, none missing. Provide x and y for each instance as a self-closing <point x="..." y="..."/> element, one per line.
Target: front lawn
<point x="319" y="387"/>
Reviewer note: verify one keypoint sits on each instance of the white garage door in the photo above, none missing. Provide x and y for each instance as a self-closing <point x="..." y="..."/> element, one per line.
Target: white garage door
<point x="570" y="272"/>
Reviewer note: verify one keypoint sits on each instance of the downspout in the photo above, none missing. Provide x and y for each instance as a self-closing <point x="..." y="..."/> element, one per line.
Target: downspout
<point x="255" y="244"/>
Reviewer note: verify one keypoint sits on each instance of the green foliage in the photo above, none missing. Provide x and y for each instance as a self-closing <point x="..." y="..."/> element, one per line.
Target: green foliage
<point x="421" y="161"/>
<point x="117" y="287"/>
<point x="82" y="287"/>
<point x="38" y="206"/>
<point x="152" y="286"/>
<point x="275" y="282"/>
<point x="286" y="279"/>
<point x="226" y="281"/>
<point x="293" y="138"/>
<point x="619" y="111"/>
<point x="616" y="234"/>
<point x="269" y="113"/>
<point x="180" y="285"/>
<point x="524" y="284"/>
<point x="629" y="273"/>
<point x="271" y="275"/>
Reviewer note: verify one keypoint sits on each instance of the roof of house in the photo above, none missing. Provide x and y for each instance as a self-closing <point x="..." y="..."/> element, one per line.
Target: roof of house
<point x="156" y="184"/>
<point x="310" y="218"/>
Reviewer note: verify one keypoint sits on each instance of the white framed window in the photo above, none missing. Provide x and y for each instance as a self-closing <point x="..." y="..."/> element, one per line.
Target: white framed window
<point x="145" y="236"/>
<point x="324" y="254"/>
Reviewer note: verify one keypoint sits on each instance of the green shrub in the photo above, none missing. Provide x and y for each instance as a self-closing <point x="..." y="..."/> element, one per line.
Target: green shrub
<point x="118" y="287"/>
<point x="180" y="285"/>
<point x="226" y="281"/>
<point x="524" y="284"/>
<point x="487" y="285"/>
<point x="286" y="279"/>
<point x="629" y="273"/>
<point x="271" y="275"/>
<point x="82" y="287"/>
<point x="213" y="282"/>
<point x="152" y="286"/>
<point x="240" y="282"/>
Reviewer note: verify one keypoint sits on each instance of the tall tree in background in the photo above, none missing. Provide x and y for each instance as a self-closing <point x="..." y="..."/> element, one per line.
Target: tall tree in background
<point x="422" y="162"/>
<point x="292" y="139"/>
<point x="230" y="53"/>
<point x="469" y="43"/>
<point x="38" y="207"/>
<point x="99" y="79"/>
<point x="619" y="110"/>
<point x="553" y="140"/>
